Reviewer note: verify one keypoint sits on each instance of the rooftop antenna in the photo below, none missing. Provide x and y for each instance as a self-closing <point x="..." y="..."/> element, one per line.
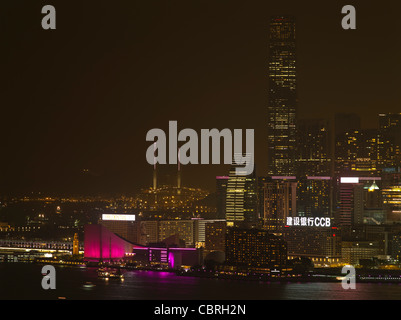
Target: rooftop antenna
<point x="154" y="168"/>
<point x="179" y="175"/>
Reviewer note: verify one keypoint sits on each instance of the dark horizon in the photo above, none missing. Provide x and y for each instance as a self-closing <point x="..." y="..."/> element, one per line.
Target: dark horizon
<point x="79" y="100"/>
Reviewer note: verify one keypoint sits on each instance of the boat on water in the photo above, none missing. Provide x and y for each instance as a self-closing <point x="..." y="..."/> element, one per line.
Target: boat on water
<point x="108" y="273"/>
<point x="88" y="285"/>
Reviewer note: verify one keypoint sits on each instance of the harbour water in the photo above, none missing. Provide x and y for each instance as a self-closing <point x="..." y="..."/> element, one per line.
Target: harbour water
<point x="22" y="281"/>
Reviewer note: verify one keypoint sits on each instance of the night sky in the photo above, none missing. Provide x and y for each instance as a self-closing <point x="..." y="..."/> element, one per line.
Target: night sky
<point x="83" y="96"/>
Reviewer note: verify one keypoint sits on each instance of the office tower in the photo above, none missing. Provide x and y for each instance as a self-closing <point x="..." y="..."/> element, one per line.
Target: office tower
<point x="390" y="135"/>
<point x="356" y="196"/>
<point x="314" y="196"/>
<point x="392" y="202"/>
<point x="279" y="199"/>
<point x="215" y="236"/>
<point x="391" y="176"/>
<point x="221" y="193"/>
<point x="282" y="99"/>
<point x="313" y="148"/>
<point x="351" y="204"/>
<point x="254" y="249"/>
<point x="356" y="152"/>
<point x="241" y="198"/>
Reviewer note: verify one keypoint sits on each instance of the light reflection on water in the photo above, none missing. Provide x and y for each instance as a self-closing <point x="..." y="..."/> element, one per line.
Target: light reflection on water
<point x="23" y="281"/>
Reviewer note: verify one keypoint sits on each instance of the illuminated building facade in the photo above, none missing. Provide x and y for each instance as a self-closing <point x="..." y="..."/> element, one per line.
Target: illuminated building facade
<point x="254" y="248"/>
<point x="185" y="230"/>
<point x="320" y="244"/>
<point x="75" y="245"/>
<point x="356" y="152"/>
<point x="392" y="201"/>
<point x="354" y="251"/>
<point x="357" y="197"/>
<point x="313" y="147"/>
<point x="215" y="236"/>
<point x="166" y="258"/>
<point x="241" y="199"/>
<point x="314" y="196"/>
<point x="100" y="244"/>
<point x="282" y="99"/>
<point x="390" y="132"/>
<point x="279" y="202"/>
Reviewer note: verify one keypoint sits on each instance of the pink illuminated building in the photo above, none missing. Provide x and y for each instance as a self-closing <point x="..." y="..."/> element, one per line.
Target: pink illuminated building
<point x="102" y="244"/>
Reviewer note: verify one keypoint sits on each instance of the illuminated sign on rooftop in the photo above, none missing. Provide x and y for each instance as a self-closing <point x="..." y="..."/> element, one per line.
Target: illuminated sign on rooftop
<point x="308" y="222"/>
<point x="349" y="180"/>
<point x="118" y="217"/>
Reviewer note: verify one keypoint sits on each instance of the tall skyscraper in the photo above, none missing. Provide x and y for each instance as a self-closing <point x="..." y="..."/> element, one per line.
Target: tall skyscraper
<point x="282" y="99"/>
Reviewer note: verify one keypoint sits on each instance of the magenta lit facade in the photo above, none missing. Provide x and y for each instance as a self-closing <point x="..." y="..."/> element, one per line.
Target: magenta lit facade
<point x="100" y="243"/>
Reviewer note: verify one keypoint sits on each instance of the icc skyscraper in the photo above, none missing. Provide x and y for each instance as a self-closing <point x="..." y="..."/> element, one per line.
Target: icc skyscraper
<point x="282" y="99"/>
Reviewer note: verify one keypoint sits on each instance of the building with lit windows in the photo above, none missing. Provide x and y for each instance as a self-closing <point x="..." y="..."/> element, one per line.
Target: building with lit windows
<point x="314" y="196"/>
<point x="356" y="152"/>
<point x="320" y="244"/>
<point x="279" y="201"/>
<point x="313" y="147"/>
<point x="215" y="236"/>
<point x="255" y="249"/>
<point x="354" y="251"/>
<point x="392" y="202"/>
<point x="241" y="198"/>
<point x="355" y="197"/>
<point x="390" y="131"/>
<point x="282" y="98"/>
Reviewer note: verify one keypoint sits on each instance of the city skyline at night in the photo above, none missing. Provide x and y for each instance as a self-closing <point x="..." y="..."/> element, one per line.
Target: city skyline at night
<point x="200" y="150"/>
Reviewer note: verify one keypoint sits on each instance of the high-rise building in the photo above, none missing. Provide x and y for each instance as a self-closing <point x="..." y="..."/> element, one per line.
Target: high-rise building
<point x="356" y="152"/>
<point x="313" y="147"/>
<point x="241" y="198"/>
<point x="215" y="236"/>
<point x="279" y="202"/>
<point x="355" y="197"/>
<point x="282" y="99"/>
<point x="314" y="196"/>
<point x="390" y="140"/>
<point x="221" y="193"/>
